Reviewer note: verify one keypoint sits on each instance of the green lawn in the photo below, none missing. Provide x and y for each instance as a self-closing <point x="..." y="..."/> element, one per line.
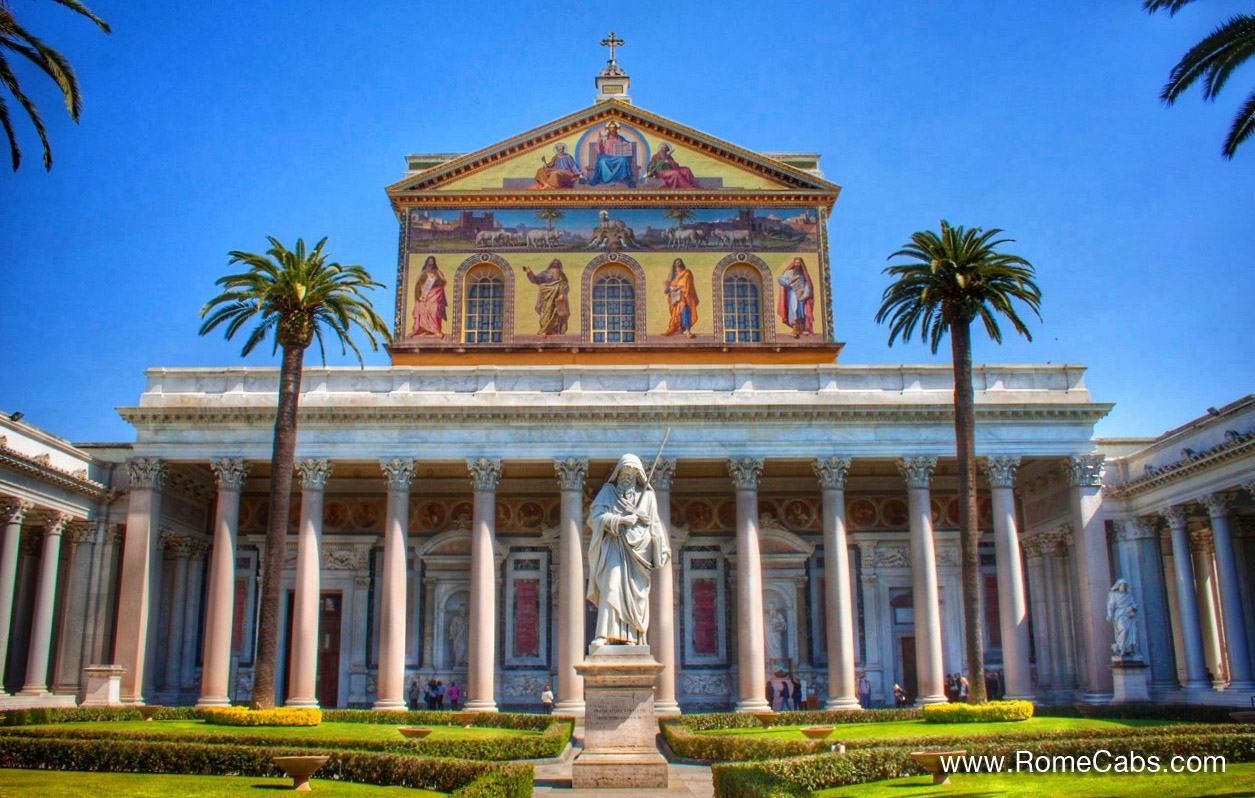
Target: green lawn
<point x="1237" y="780"/>
<point x="918" y="728"/>
<point x="46" y="783"/>
<point x="323" y="731"/>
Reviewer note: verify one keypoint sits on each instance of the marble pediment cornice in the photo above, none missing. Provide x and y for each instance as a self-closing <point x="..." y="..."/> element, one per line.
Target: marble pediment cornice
<point x="37" y="467"/>
<point x="1228" y="451"/>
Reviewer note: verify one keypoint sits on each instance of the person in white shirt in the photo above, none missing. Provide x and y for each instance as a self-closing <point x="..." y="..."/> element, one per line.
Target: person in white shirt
<point x="546" y="700"/>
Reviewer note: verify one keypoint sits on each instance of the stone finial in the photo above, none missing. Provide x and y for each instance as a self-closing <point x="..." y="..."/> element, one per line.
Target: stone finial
<point x="1217" y="504"/>
<point x="1176" y="515"/>
<point x="13" y="511"/>
<point x="745" y="472"/>
<point x="399" y="472"/>
<point x="664" y="474"/>
<point x="917" y="471"/>
<point x="230" y="472"/>
<point x="485" y="472"/>
<point x="147" y="473"/>
<point x="1000" y="470"/>
<point x="1083" y="470"/>
<point x="571" y="472"/>
<point x="831" y="471"/>
<point x="314" y="472"/>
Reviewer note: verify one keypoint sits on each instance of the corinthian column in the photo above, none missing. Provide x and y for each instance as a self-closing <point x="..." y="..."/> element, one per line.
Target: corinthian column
<point x="661" y="633"/>
<point x="180" y="547"/>
<point x="12" y="511"/>
<point x="1187" y="600"/>
<point x="1083" y="474"/>
<point x="838" y="601"/>
<point x="751" y="643"/>
<point x="148" y="477"/>
<point x="918" y="472"/>
<point x="571" y="474"/>
<point x="482" y="648"/>
<point x="390" y="692"/>
<point x="1012" y="607"/>
<point x="41" y="618"/>
<point x="221" y="594"/>
<point x="1205" y="585"/>
<point x="1230" y="593"/>
<point x="303" y="685"/>
<point x="1137" y="542"/>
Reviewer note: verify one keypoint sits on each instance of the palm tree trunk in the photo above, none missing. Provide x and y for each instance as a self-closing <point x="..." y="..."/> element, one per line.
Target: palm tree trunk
<point x="282" y="464"/>
<point x="969" y="535"/>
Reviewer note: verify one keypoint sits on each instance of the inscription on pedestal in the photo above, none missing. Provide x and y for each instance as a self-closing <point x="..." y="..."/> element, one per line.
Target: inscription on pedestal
<point x="620" y="721"/>
<point x="620" y="750"/>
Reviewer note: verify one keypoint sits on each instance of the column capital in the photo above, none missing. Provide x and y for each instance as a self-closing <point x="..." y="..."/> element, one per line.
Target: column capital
<point x="571" y="472"/>
<point x="230" y="472"/>
<point x="1000" y="470"/>
<point x="917" y="471"/>
<point x="1083" y="470"/>
<point x="115" y="534"/>
<point x="1032" y="546"/>
<point x="1128" y="529"/>
<point x="485" y="472"/>
<point x="314" y="472"/>
<point x="1245" y="527"/>
<point x="745" y="472"/>
<point x="1176" y="515"/>
<point x="55" y="523"/>
<point x="13" y="511"/>
<point x="1249" y="486"/>
<point x="831" y="471"/>
<point x="31" y="542"/>
<point x="81" y="532"/>
<point x="399" y="472"/>
<point x="1217" y="504"/>
<point x="147" y="473"/>
<point x="664" y="473"/>
<point x="1055" y="542"/>
<point x="1201" y="541"/>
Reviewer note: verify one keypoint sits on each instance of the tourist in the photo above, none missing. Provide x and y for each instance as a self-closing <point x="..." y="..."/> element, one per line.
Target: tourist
<point x="546" y="700"/>
<point x="413" y="695"/>
<point x="429" y="695"/>
<point x="771" y="695"/>
<point x="797" y="695"/>
<point x="899" y="696"/>
<point x="864" y="691"/>
<point x="963" y="688"/>
<point x="454" y="694"/>
<point x="439" y="695"/>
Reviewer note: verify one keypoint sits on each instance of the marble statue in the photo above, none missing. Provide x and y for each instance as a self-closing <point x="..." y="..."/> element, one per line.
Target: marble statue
<point x="457" y="636"/>
<point x="628" y="541"/>
<point x="1122" y="612"/>
<point x="777" y="629"/>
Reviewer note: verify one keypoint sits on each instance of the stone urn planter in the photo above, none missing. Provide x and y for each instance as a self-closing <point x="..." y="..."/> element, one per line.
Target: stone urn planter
<point x="932" y="762"/>
<point x="414" y="732"/>
<point x="818" y="732"/>
<point x="465" y="719"/>
<point x="149" y="712"/>
<point x="767" y="719"/>
<point x="300" y="768"/>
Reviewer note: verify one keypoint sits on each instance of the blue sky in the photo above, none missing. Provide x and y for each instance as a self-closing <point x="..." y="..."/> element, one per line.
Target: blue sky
<point x="207" y="127"/>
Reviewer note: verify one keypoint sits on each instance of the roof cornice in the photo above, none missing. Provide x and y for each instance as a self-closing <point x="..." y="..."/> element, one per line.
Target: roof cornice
<point x="1217" y="455"/>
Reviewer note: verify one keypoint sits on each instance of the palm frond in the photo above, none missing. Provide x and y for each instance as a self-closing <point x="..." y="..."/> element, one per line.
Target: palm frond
<point x="1172" y="6"/>
<point x="10" y="82"/>
<point x="14" y="152"/>
<point x="50" y="61"/>
<point x="1243" y="126"/>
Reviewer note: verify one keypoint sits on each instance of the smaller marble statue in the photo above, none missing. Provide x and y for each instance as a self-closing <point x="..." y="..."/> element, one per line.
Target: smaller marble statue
<point x="457" y="636"/>
<point x="1122" y="612"/>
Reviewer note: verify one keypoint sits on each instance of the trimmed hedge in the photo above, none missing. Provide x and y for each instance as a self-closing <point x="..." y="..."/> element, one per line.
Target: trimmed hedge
<point x="490" y="720"/>
<point x="30" y="717"/>
<point x="1144" y="711"/>
<point x="459" y="777"/>
<point x="744" y="720"/>
<point x="993" y="712"/>
<point x="279" y="716"/>
<point x="788" y="778"/>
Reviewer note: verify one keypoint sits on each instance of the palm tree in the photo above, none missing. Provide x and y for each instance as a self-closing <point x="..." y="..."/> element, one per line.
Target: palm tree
<point x="15" y="38"/>
<point x="1213" y="60"/>
<point x="549" y="216"/>
<point x="950" y="281"/>
<point x="300" y="296"/>
<point x="681" y="215"/>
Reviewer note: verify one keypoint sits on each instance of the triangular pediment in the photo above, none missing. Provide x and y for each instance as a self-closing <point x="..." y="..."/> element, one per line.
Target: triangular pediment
<point x="610" y="146"/>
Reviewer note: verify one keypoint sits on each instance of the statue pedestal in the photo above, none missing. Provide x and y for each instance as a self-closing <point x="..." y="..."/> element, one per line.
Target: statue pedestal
<point x="1128" y="676"/>
<point x="620" y="750"/>
<point x="103" y="686"/>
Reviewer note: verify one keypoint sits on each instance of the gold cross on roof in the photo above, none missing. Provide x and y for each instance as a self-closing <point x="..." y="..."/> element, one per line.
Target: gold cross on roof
<point x="612" y="43"/>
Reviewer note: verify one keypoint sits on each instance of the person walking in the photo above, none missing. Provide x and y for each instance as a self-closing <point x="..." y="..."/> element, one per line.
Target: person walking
<point x="797" y="695"/>
<point x="454" y="695"/>
<point x="546" y="700"/>
<point x="771" y="695"/>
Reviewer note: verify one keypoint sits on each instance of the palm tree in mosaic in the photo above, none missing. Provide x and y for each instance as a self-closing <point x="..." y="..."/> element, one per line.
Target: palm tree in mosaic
<point x="549" y="216"/>
<point x="1212" y="61"/>
<point x="949" y="281"/>
<point x="681" y="215"/>
<point x="301" y="297"/>
<point x="16" y="39"/>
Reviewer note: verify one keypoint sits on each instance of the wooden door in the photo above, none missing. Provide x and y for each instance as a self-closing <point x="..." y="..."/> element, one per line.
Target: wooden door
<point x="329" y="649"/>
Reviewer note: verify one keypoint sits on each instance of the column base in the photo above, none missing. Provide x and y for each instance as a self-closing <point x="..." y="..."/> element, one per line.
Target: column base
<point x="842" y="703"/>
<point x="925" y="700"/>
<point x="752" y="705"/>
<point x="1029" y="697"/>
<point x="664" y="709"/>
<point x="572" y="707"/>
<point x="1199" y="684"/>
<point x="303" y="703"/>
<point x="389" y="705"/>
<point x="34" y="691"/>
<point x="1248" y="685"/>
<point x="1097" y="698"/>
<point x="210" y="701"/>
<point x="488" y="705"/>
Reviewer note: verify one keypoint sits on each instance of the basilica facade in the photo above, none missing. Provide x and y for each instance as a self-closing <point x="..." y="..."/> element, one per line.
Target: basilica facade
<point x="616" y="282"/>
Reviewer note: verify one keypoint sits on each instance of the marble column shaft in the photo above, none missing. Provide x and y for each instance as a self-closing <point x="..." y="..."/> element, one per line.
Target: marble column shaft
<point x="571" y="473"/>
<point x="838" y="597"/>
<point x="918" y="471"/>
<point x="390" y="686"/>
<point x="751" y="642"/>
<point x="482" y="643"/>
<point x="1208" y="617"/>
<point x="40" y="650"/>
<point x="219" y="614"/>
<point x="1141" y="564"/>
<point x="1037" y="591"/>
<point x="1187" y="600"/>
<point x="1083" y="474"/>
<point x="12" y="513"/>
<point x="661" y="633"/>
<point x="303" y="684"/>
<point x="1230" y="594"/>
<point x="136" y="593"/>
<point x="1012" y="606"/>
<point x="181" y="548"/>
